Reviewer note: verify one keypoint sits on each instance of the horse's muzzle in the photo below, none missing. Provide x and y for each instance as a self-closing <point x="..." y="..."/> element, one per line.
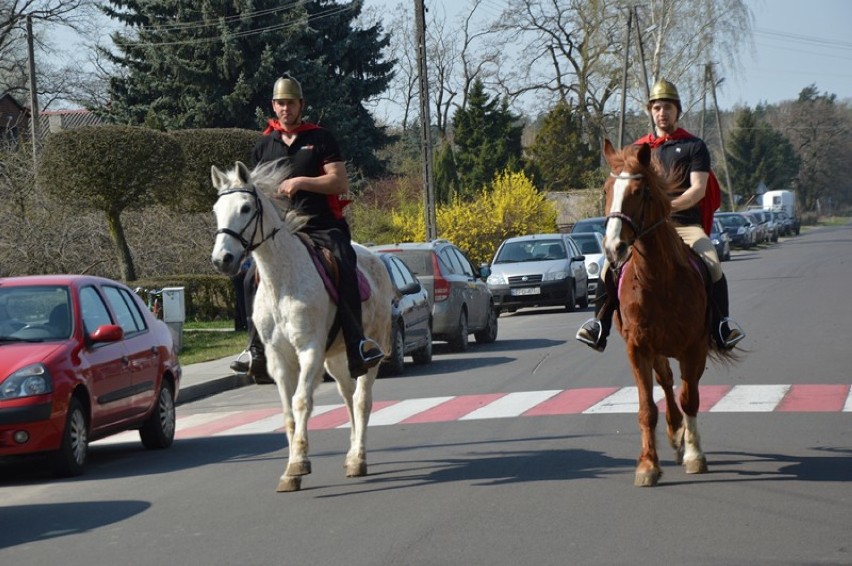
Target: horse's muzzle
<point x="226" y="263"/>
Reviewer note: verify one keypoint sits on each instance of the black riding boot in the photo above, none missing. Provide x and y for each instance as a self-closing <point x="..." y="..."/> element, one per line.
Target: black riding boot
<point x="595" y="331"/>
<point x="726" y="332"/>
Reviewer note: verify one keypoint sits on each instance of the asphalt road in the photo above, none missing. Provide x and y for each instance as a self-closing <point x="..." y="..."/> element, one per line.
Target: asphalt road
<point x="514" y="477"/>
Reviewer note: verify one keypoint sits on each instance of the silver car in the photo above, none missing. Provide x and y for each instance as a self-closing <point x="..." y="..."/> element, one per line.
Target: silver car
<point x="461" y="301"/>
<point x="539" y="270"/>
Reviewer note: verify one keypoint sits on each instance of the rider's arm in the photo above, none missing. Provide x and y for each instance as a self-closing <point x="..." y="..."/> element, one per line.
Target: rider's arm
<point x="333" y="181"/>
<point x="693" y="195"/>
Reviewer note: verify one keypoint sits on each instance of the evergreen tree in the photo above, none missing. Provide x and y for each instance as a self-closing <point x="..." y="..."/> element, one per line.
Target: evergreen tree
<point x="561" y="158"/>
<point x="487" y="140"/>
<point x="759" y="154"/>
<point x="212" y="64"/>
<point x="446" y="176"/>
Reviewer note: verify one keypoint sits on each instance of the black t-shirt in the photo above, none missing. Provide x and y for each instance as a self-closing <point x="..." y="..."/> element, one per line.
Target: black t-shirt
<point x="309" y="152"/>
<point x="682" y="157"/>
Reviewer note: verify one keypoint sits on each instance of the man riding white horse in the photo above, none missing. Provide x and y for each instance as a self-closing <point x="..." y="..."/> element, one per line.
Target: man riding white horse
<point x="317" y="181"/>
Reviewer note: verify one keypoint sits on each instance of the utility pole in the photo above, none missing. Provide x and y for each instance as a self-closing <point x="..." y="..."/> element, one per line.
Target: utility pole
<point x="704" y="100"/>
<point x="624" y="79"/>
<point x="34" y="117"/>
<point x="425" y="123"/>
<point x="721" y="135"/>
<point x="641" y="48"/>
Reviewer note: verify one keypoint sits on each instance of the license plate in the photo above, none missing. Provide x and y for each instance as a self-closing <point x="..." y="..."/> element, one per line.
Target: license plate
<point x="526" y="291"/>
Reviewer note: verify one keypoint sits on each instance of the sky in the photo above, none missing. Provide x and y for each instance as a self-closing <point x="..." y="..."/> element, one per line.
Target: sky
<point x="796" y="43"/>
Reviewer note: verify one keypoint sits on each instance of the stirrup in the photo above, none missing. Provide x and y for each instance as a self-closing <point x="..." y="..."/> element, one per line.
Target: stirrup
<point x="590" y="334"/>
<point x="735" y="333"/>
<point x="370" y="351"/>
<point x="241" y="365"/>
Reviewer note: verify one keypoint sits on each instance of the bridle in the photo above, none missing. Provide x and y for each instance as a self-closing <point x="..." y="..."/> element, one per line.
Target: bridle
<point x="646" y="195"/>
<point x="256" y="217"/>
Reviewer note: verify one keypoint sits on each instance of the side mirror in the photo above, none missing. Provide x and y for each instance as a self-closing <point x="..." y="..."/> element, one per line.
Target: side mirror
<point x="411" y="288"/>
<point x="107" y="333"/>
<point x="484" y="271"/>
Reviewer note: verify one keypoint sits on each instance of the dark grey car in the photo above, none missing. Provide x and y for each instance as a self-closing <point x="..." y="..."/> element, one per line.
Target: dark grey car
<point x="461" y="301"/>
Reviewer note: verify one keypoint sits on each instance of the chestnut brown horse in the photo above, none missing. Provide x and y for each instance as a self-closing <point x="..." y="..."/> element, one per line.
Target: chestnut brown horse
<point x="663" y="305"/>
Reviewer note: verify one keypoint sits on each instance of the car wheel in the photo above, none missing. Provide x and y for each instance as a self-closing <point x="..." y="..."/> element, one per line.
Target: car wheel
<point x="158" y="431"/>
<point x="395" y="362"/>
<point x="459" y="342"/>
<point x="423" y="356"/>
<point x="71" y="457"/>
<point x="571" y="300"/>
<point x="489" y="333"/>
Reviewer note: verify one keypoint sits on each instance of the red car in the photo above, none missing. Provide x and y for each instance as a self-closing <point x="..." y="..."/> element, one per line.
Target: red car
<point x="81" y="358"/>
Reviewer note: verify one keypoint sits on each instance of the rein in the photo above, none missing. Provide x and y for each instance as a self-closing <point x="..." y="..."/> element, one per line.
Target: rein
<point x="637" y="230"/>
<point x="257" y="217"/>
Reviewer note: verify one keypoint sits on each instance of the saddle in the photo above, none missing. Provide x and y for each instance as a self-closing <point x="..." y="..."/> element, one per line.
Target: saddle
<point x="329" y="271"/>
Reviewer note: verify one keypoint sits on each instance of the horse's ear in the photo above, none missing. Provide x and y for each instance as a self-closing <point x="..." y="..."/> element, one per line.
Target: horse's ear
<point x="644" y="154"/>
<point x="609" y="152"/>
<point x="219" y="179"/>
<point x="243" y="173"/>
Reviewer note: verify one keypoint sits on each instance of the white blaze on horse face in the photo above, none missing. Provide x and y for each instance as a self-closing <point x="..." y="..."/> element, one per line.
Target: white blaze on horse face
<point x="613" y="225"/>
<point x="227" y="211"/>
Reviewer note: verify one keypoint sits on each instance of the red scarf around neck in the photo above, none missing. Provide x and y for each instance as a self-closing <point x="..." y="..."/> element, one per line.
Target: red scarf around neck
<point x="275" y="126"/>
<point x="712" y="196"/>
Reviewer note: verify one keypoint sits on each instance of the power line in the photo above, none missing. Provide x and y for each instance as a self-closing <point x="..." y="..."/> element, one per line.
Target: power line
<point x="218" y="38"/>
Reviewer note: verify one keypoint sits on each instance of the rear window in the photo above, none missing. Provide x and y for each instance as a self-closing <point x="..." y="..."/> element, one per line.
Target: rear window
<point x="419" y="262"/>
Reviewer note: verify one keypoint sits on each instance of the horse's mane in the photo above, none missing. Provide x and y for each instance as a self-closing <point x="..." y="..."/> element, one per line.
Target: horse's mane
<point x="266" y="177"/>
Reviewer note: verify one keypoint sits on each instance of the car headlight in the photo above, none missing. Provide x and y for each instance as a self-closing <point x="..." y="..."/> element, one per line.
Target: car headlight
<point x="741" y="230"/>
<point x="594" y="269"/>
<point x="496" y="279"/>
<point x="716" y="241"/>
<point x="27" y="382"/>
<point x="555" y="276"/>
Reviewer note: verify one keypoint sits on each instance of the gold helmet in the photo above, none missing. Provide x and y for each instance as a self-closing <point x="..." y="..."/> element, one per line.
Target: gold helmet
<point x="287" y="88"/>
<point x="665" y="90"/>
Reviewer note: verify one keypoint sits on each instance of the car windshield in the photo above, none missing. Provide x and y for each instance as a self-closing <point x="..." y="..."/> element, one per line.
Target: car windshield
<point x="531" y="250"/>
<point x="35" y="313"/>
<point x="733" y="220"/>
<point x="588" y="243"/>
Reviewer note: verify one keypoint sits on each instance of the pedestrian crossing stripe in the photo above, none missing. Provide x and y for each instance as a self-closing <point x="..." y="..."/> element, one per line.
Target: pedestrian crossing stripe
<point x="586" y="401"/>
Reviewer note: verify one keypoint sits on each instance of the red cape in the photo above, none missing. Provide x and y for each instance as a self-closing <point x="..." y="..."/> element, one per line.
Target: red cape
<point x="712" y="196"/>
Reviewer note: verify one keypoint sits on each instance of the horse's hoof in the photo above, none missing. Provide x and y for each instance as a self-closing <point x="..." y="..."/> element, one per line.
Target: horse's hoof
<point x="647" y="479"/>
<point x="356" y="470"/>
<point x="302" y="468"/>
<point x="288" y="483"/>
<point x="698" y="466"/>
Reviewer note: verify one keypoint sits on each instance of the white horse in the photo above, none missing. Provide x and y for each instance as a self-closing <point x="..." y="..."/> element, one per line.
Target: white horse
<point x="293" y="312"/>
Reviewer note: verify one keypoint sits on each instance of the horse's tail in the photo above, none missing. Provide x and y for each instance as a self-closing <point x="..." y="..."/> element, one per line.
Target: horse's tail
<point x="726" y="357"/>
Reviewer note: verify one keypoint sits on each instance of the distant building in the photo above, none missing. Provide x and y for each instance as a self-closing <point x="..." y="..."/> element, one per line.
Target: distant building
<point x="15" y="120"/>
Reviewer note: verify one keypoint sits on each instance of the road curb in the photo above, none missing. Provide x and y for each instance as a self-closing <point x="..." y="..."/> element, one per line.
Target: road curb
<point x="211" y="387"/>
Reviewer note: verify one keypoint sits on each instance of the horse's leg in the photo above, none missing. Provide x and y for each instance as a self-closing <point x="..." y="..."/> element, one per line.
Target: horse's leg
<point x="648" y="467"/>
<point x="309" y="368"/>
<point x="362" y="401"/>
<point x="338" y="367"/>
<point x="691" y="368"/>
<point x="674" y="418"/>
<point x="284" y="372"/>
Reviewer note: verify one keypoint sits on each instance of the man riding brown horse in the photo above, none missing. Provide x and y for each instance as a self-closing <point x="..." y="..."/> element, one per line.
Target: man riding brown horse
<point x="678" y="153"/>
